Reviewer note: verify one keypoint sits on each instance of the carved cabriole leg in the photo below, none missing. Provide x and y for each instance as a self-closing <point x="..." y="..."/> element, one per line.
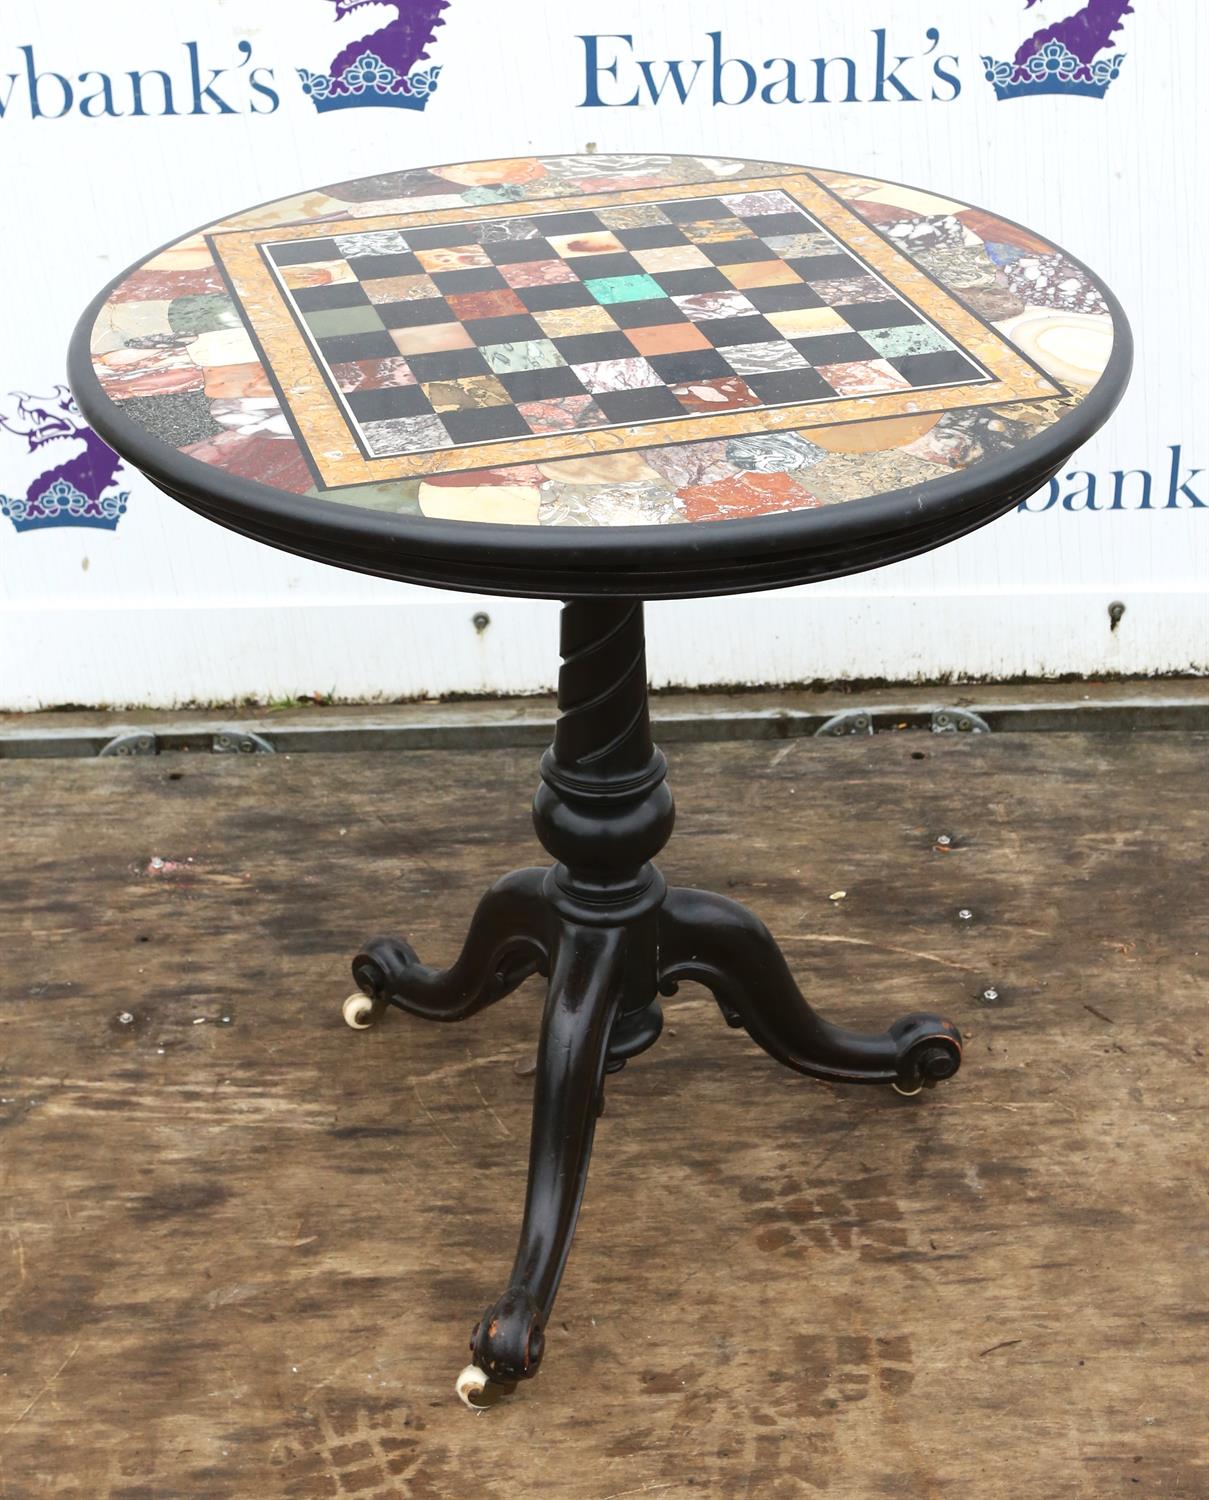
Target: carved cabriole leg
<point x="585" y="991"/>
<point x="508" y="940"/>
<point x="724" y="947"/>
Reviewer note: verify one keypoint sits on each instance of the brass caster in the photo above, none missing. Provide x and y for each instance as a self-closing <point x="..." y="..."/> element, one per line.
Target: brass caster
<point x="360" y="1012"/>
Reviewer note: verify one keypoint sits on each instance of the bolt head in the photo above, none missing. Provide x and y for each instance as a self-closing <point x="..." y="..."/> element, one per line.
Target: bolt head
<point x="965" y="914"/>
<point x="126" y="1019"/>
<point x="990" y="994"/>
<point x="944" y="840"/>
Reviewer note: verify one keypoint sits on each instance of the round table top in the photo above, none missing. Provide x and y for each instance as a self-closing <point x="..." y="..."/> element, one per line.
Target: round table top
<point x="570" y="375"/>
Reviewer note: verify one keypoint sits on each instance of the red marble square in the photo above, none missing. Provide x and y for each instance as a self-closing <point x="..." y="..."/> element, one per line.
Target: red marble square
<point x="537" y="273"/>
<point x="373" y="374"/>
<point x="562" y="414"/>
<point x="501" y="303"/>
<point x="724" y="394"/>
<point x="745" y="495"/>
<point x="163" y="286"/>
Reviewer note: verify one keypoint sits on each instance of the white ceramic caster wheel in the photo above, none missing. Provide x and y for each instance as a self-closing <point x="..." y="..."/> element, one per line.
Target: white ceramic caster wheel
<point x="360" y="1011"/>
<point x="471" y="1387"/>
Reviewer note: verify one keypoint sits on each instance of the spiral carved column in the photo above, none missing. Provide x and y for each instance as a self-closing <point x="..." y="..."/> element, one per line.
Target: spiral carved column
<point x="604" y="809"/>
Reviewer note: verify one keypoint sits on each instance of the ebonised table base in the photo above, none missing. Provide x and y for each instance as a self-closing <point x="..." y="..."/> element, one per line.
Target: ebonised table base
<point x="609" y="935"/>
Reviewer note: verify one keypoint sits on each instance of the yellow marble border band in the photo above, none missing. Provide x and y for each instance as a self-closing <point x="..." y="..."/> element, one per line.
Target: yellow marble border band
<point x="339" y="461"/>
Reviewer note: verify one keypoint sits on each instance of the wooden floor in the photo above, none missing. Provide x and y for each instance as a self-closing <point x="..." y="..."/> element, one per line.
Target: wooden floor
<point x="242" y="1247"/>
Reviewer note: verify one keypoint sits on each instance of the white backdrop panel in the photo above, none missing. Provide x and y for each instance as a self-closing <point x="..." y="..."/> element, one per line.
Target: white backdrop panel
<point x="167" y="609"/>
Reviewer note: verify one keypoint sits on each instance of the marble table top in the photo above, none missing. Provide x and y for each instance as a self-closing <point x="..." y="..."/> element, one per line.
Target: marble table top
<point x="593" y="342"/>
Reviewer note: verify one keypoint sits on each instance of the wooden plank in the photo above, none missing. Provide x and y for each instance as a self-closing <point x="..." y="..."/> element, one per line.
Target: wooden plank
<point x="243" y="1247"/>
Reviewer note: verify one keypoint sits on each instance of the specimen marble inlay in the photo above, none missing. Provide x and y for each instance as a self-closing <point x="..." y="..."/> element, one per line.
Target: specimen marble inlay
<point x="712" y="338"/>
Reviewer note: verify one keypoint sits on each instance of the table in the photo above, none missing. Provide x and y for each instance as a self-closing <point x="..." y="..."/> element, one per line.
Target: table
<point x="605" y="379"/>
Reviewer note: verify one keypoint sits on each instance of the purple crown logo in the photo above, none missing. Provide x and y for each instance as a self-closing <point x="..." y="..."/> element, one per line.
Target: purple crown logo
<point x="1064" y="58"/>
<point x="77" y="491"/>
<point x="378" y="68"/>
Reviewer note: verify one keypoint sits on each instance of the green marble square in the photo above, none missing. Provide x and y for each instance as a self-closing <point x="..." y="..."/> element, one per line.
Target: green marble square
<point x="508" y="192"/>
<point x="624" y="288"/>
<point x="401" y="496"/>
<point x="911" y="338"/>
<point x="202" y="312"/>
<point x="328" y="322"/>
<point x="528" y="354"/>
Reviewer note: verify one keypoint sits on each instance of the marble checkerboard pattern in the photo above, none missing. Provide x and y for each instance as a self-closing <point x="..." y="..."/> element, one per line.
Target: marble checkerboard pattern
<point x="458" y="334"/>
<point x="591" y="340"/>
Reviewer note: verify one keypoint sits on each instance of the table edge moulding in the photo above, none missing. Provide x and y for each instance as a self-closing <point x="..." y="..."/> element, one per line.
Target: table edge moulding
<point x="600" y="924"/>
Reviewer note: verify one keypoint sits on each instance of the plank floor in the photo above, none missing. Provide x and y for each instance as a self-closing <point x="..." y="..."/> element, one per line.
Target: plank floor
<point x="242" y="1247"/>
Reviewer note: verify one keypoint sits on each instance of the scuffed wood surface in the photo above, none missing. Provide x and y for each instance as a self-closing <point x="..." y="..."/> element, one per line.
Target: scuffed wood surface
<point x="242" y="1247"/>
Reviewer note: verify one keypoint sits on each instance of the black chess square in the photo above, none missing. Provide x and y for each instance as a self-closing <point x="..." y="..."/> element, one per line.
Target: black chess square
<point x="377" y="267"/>
<point x="592" y="267"/>
<point x="647" y="312"/>
<point x="834" y="348"/>
<point x="473" y="279"/>
<point x="944" y="367"/>
<point x="396" y="401"/>
<point x="752" y="328"/>
<point x="838" y="267"/>
<point x="439" y="236"/>
<point x="511" y="252"/>
<point x="694" y="364"/>
<point x="891" y="314"/>
<point x="590" y="348"/>
<point x="736" y="252"/>
<point x="651" y="404"/>
<point x="516" y="329"/>
<point x="558" y="294"/>
<point x="541" y="385"/>
<point x="419" y="312"/>
<point x="783" y="387"/>
<point x="770" y="225"/>
<point x="572" y="223"/>
<point x="650" y="237"/>
<point x="339" y="294"/>
<point x="790" y="297"/>
<point x="342" y="347"/>
<point x="305" y="252"/>
<point x="685" y="283"/>
<point x="487" y="424"/>
<point x="448" y="364"/>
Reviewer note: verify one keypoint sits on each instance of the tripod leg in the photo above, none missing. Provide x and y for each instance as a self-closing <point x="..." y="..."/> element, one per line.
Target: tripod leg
<point x="722" y="945"/>
<point x="508" y="941"/>
<point x="586" y="985"/>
